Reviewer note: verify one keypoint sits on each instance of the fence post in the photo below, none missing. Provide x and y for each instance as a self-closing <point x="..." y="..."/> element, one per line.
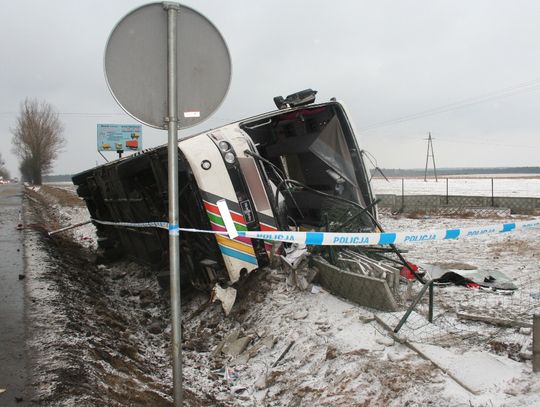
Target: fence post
<point x="536" y="343"/>
<point x="492" y="198"/>
<point x="402" y="193"/>
<point x="415" y="302"/>
<point x="430" y="311"/>
<point x="446" y="191"/>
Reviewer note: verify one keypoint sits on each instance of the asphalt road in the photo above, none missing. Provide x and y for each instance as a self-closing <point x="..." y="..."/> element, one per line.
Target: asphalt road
<point x="13" y="355"/>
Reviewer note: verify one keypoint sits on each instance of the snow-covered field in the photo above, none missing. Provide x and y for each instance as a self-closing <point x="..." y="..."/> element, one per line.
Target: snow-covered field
<point x="477" y="186"/>
<point x="333" y="352"/>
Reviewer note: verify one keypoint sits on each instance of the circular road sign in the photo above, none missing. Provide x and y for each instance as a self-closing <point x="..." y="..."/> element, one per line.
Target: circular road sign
<point x="136" y="65"/>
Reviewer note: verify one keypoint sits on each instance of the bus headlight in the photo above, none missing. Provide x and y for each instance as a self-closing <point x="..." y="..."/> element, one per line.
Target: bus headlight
<point x="224" y="146"/>
<point x="229" y="157"/>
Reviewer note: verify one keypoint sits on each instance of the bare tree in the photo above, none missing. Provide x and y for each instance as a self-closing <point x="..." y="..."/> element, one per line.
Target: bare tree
<point x="25" y="168"/>
<point x="37" y="138"/>
<point x="3" y="170"/>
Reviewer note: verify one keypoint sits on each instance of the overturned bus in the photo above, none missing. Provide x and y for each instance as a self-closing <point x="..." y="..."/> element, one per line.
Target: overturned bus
<point x="296" y="168"/>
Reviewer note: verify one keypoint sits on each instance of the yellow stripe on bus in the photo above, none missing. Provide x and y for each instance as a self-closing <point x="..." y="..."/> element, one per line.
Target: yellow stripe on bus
<point x="235" y="244"/>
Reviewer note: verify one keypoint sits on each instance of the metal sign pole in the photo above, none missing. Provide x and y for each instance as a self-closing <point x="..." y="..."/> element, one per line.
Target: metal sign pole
<point x="174" y="238"/>
<point x="203" y="78"/>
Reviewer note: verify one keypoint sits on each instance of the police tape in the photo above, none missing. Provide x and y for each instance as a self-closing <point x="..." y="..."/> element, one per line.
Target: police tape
<point x="352" y="239"/>
<point x="162" y="225"/>
<point x="173" y="229"/>
<point x="365" y="239"/>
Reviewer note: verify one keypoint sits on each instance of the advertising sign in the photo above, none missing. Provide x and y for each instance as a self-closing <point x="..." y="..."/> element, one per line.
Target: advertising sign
<point x="119" y="137"/>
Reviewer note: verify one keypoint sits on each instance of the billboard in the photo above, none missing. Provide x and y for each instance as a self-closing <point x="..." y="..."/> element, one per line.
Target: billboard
<point x="119" y="137"/>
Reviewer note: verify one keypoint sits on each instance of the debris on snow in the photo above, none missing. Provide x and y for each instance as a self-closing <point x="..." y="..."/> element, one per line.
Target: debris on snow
<point x="227" y="297"/>
<point x="337" y="358"/>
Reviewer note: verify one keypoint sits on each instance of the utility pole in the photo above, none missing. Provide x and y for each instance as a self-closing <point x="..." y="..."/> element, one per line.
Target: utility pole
<point x="430" y="153"/>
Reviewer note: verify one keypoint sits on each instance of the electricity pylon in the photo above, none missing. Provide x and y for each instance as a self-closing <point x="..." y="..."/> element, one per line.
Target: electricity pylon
<point x="432" y="155"/>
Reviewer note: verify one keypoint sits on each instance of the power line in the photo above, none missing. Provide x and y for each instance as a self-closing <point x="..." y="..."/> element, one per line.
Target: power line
<point x="457" y="140"/>
<point x="486" y="143"/>
<point x="83" y="114"/>
<point x="91" y="114"/>
<point x="460" y="140"/>
<point x="528" y="86"/>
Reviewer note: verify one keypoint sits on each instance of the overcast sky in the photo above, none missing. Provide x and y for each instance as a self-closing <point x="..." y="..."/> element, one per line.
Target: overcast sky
<point x="466" y="71"/>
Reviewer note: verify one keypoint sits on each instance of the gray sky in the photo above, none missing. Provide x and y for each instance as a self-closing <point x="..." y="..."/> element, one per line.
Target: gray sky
<point x="403" y="68"/>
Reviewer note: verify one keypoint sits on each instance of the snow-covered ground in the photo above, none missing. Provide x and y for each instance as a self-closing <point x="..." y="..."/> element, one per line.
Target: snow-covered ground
<point x="308" y="348"/>
<point x="477" y="186"/>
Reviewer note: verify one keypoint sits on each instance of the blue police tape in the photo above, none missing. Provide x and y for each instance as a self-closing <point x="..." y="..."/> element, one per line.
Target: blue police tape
<point x="174" y="230"/>
<point x="351" y="239"/>
<point x="364" y="239"/>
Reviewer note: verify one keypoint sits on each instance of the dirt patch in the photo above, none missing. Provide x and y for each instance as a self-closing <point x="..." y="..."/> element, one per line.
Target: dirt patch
<point x="46" y="220"/>
<point x="417" y="214"/>
<point x="62" y="196"/>
<point x="515" y="246"/>
<point x="454" y="265"/>
<point x="454" y="213"/>
<point x="91" y="336"/>
<point x="510" y="349"/>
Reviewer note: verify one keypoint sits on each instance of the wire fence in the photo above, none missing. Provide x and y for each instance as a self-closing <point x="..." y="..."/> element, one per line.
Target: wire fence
<point x="481" y="187"/>
<point x="459" y="195"/>
<point x="498" y="321"/>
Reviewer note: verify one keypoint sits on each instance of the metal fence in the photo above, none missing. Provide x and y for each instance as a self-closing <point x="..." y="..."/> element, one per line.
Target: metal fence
<point x="497" y="321"/>
<point x="485" y="187"/>
<point x="457" y="203"/>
